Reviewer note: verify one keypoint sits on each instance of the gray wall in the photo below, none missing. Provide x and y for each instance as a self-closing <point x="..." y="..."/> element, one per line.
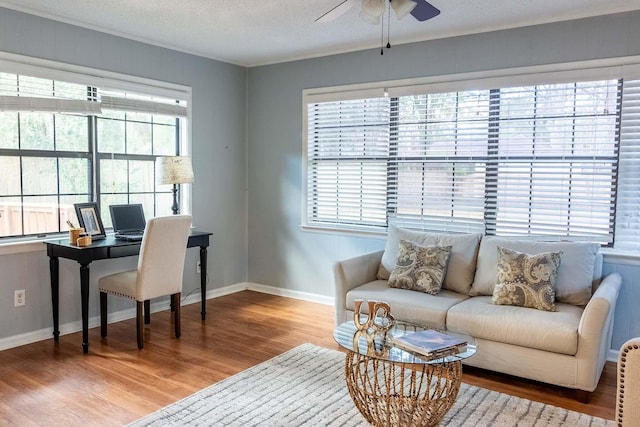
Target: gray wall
<point x="280" y="253"/>
<point x="219" y="162"/>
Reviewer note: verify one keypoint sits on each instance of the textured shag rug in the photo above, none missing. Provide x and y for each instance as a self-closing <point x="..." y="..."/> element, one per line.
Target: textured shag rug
<point x="305" y="387"/>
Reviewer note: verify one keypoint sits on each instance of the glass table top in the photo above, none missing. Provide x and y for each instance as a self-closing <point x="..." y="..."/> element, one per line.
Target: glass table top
<point x="378" y="344"/>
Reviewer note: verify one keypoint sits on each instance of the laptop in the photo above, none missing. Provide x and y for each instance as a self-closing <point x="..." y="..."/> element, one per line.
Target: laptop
<point x="128" y="221"/>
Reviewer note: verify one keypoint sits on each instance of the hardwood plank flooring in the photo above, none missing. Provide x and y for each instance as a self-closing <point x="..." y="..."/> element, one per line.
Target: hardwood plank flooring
<point x="51" y="384"/>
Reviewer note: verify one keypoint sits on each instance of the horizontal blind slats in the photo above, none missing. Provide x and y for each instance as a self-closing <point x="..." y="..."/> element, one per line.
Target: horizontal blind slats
<point x="347" y="162"/>
<point x="627" y="230"/>
<point x="538" y="160"/>
<point x="50" y="105"/>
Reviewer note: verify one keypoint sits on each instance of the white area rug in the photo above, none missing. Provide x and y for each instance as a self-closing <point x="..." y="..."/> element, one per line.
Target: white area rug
<point x="306" y="387"/>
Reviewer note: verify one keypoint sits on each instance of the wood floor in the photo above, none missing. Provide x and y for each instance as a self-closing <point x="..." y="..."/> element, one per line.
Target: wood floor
<point x="49" y="383"/>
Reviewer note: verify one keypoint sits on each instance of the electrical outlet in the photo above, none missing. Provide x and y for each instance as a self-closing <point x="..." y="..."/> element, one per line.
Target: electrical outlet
<point x="198" y="267"/>
<point x="18" y="298"/>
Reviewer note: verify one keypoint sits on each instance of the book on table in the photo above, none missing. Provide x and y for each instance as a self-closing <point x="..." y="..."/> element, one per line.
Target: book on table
<point x="430" y="343"/>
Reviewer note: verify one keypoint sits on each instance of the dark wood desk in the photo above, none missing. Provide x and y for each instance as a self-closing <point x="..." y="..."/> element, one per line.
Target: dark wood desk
<point x="105" y="249"/>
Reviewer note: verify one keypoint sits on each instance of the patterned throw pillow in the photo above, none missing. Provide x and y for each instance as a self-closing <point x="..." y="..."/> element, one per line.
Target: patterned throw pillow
<point x="420" y="268"/>
<point x="526" y="280"/>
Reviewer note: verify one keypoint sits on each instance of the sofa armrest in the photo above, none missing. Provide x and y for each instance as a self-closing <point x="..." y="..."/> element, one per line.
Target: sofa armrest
<point x="351" y="273"/>
<point x="595" y="332"/>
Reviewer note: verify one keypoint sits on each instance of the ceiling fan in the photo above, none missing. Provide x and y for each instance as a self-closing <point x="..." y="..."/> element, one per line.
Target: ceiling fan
<point x="372" y="10"/>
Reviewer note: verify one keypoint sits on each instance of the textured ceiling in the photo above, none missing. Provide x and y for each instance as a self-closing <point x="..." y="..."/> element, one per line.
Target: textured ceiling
<point x="256" y="32"/>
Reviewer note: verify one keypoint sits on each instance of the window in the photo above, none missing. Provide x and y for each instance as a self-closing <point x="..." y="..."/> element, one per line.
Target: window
<point x="541" y="160"/>
<point x="128" y="143"/>
<point x="348" y="152"/>
<point x="63" y="143"/>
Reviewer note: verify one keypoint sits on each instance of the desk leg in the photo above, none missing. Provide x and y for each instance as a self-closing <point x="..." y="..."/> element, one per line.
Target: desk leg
<point x="55" y="295"/>
<point x="84" y="296"/>
<point x="203" y="281"/>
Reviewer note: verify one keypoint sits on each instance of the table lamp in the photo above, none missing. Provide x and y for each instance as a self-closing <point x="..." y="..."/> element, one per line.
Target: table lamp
<point x="174" y="170"/>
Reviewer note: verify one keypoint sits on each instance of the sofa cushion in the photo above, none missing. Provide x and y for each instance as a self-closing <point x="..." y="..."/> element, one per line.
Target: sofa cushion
<point x="526" y="280"/>
<point x="409" y="306"/>
<point x="555" y="331"/>
<point x="575" y="273"/>
<point x="462" y="262"/>
<point x="420" y="268"/>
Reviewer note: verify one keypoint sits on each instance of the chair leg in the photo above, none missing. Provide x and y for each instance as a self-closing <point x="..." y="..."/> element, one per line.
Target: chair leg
<point x="103" y="314"/>
<point x="147" y="312"/>
<point x="175" y="298"/>
<point x="139" y="326"/>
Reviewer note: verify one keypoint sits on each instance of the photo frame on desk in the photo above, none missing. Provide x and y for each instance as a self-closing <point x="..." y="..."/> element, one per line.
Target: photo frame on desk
<point x="89" y="218"/>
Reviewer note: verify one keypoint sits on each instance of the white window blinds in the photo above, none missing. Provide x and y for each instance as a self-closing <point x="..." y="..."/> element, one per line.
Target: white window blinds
<point x="438" y="161"/>
<point x="33" y="94"/>
<point x="129" y="103"/>
<point x="555" y="161"/>
<point x="553" y="166"/>
<point x="347" y="151"/>
<point x="535" y="161"/>
<point x="627" y="236"/>
<point x="20" y="93"/>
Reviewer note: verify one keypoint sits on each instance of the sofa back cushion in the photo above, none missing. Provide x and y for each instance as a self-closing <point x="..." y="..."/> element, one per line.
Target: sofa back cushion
<point x="462" y="262"/>
<point x="575" y="273"/>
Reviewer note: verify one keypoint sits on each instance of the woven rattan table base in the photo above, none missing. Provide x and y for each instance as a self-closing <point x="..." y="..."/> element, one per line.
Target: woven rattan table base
<point x="401" y="394"/>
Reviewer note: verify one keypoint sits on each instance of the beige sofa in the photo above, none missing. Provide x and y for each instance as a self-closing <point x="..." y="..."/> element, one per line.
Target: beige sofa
<point x="567" y="347"/>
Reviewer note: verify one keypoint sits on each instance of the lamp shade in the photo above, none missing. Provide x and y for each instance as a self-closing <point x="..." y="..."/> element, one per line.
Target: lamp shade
<point x="402" y="7"/>
<point x="174" y="170"/>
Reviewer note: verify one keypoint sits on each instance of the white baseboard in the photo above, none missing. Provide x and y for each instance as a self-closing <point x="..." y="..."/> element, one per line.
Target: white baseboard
<point x="305" y="296"/>
<point x="75" y="326"/>
<point x="193" y="297"/>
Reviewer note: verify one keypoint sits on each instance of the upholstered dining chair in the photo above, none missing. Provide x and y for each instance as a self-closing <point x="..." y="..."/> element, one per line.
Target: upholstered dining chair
<point x="628" y="407"/>
<point x="159" y="272"/>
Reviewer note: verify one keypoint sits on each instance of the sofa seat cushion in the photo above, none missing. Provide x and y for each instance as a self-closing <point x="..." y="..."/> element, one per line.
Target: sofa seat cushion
<point x="555" y="331"/>
<point x="406" y="305"/>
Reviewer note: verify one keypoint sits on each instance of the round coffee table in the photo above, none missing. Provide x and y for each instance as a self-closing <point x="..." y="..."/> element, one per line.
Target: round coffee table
<point x="393" y="387"/>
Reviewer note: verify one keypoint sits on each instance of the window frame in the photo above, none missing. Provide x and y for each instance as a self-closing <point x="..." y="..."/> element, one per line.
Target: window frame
<point x="607" y="69"/>
<point x="92" y="78"/>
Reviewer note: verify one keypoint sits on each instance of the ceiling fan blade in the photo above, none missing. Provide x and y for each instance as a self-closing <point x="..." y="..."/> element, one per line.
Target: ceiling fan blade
<point x="424" y="11"/>
<point x="336" y="12"/>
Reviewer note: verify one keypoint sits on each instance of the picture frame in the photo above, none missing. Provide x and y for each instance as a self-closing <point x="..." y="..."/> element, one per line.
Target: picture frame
<point x="89" y="218"/>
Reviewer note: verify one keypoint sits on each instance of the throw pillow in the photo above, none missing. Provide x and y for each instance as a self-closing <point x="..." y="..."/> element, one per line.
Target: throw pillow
<point x="575" y="274"/>
<point x="526" y="280"/>
<point x="462" y="262"/>
<point x="420" y="268"/>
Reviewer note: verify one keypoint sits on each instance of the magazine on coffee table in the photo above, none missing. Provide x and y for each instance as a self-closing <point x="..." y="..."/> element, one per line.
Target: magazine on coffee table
<point x="430" y="343"/>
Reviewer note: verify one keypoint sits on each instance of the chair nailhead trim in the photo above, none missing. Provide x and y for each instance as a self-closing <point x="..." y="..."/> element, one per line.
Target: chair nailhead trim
<point x="621" y="368"/>
<point x="117" y="294"/>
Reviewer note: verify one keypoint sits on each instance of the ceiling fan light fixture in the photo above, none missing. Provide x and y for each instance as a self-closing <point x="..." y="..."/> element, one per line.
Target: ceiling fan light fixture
<point x="370" y="18"/>
<point x="372" y="10"/>
<point x="402" y="7"/>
